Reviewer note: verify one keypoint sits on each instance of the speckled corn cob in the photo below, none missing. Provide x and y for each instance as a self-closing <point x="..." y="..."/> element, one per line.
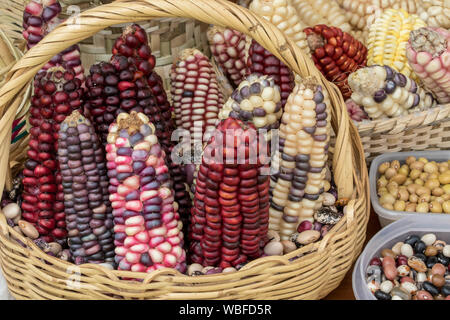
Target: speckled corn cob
<point x="313" y="12"/>
<point x="284" y="16"/>
<point x="387" y="40"/>
<point x="428" y="53"/>
<point x="39" y="18"/>
<point x="86" y="199"/>
<point x="384" y="92"/>
<point x="296" y="190"/>
<point x="229" y="220"/>
<point x="228" y="47"/>
<point x="257" y="100"/>
<point x="146" y="222"/>
<point x="436" y="13"/>
<point x="195" y="94"/>
<point x="336" y="54"/>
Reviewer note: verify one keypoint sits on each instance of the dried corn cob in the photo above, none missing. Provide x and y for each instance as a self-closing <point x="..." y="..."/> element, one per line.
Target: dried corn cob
<point x="257" y="99"/>
<point x="56" y="94"/>
<point x="313" y="12"/>
<point x="384" y="92"/>
<point x="230" y="214"/>
<point x="284" y="17"/>
<point x="387" y="40"/>
<point x="228" y="49"/>
<point x="86" y="198"/>
<point x="355" y="111"/>
<point x="436" y="13"/>
<point x="39" y="18"/>
<point x="428" y="53"/>
<point x="262" y="62"/>
<point x="195" y="94"/>
<point x="146" y="222"/>
<point x="296" y="191"/>
<point x="336" y="54"/>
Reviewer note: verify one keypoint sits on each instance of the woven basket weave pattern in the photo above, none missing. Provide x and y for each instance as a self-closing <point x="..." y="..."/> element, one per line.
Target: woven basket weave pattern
<point x="318" y="271"/>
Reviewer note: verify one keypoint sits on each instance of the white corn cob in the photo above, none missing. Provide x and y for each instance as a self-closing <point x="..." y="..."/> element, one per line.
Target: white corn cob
<point x="257" y="100"/>
<point x="285" y="17"/>
<point x="388" y="37"/>
<point x="228" y="48"/>
<point x="313" y="12"/>
<point x="428" y="53"/>
<point x="296" y="190"/>
<point x="436" y="13"/>
<point x="384" y="92"/>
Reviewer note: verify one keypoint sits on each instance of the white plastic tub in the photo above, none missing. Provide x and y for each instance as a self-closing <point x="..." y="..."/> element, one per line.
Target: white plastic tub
<point x="387" y="237"/>
<point x="386" y="216"/>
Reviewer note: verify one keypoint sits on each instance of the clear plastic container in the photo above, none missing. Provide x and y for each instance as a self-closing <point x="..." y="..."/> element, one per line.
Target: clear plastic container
<point x="386" y="216"/>
<point x="387" y="237"/>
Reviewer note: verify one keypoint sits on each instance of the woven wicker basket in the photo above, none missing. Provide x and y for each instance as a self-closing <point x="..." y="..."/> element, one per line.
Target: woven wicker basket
<point x="31" y="274"/>
<point x="426" y="130"/>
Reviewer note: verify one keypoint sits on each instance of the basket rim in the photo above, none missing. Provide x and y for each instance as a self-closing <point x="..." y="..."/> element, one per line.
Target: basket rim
<point x="349" y="167"/>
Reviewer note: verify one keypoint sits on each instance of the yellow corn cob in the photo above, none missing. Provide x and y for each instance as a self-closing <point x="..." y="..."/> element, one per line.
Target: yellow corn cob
<point x="436" y="13"/>
<point x="284" y="16"/>
<point x="301" y="159"/>
<point x="313" y="12"/>
<point x="388" y="37"/>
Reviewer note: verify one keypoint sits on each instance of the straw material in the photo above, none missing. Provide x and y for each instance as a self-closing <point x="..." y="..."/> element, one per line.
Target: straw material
<point x="317" y="272"/>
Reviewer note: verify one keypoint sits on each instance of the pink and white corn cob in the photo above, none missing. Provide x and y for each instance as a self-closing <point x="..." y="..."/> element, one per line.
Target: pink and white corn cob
<point x="355" y="111"/>
<point x="147" y="225"/>
<point x="41" y="17"/>
<point x="228" y="49"/>
<point x="428" y="53"/>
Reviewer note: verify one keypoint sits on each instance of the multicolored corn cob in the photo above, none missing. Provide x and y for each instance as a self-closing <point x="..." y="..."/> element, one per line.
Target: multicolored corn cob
<point x="257" y="100"/>
<point x="229" y="220"/>
<point x="196" y="97"/>
<point x="428" y="53"/>
<point x="146" y="222"/>
<point x="39" y="18"/>
<point x="284" y="16"/>
<point x="86" y="198"/>
<point x="336" y="54"/>
<point x="313" y="12"/>
<point x="296" y="190"/>
<point x="388" y="37"/>
<point x="56" y="94"/>
<point x="384" y="92"/>
<point x="228" y="47"/>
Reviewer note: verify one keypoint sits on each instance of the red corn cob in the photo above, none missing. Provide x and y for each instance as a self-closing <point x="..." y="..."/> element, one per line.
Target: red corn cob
<point x="147" y="229"/>
<point x="262" y="62"/>
<point x="228" y="49"/>
<point x="86" y="198"/>
<point x="230" y="217"/>
<point x="39" y="18"/>
<point x="336" y="54"/>
<point x="56" y="94"/>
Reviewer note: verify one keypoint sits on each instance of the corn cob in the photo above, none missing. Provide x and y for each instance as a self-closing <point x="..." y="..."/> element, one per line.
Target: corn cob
<point x="195" y="94"/>
<point x="39" y="18"/>
<point x="336" y="54"/>
<point x="146" y="222"/>
<point x="296" y="190"/>
<point x="387" y="40"/>
<point x="284" y="17"/>
<point x="257" y="100"/>
<point x="230" y="215"/>
<point x="384" y="92"/>
<point x="436" y="13"/>
<point x="229" y="50"/>
<point x="355" y="111"/>
<point x="56" y="94"/>
<point x="262" y="62"/>
<point x="313" y="12"/>
<point x="86" y="199"/>
<point x="428" y="53"/>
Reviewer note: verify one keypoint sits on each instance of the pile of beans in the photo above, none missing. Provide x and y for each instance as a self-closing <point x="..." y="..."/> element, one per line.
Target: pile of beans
<point x="419" y="185"/>
<point x="416" y="269"/>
